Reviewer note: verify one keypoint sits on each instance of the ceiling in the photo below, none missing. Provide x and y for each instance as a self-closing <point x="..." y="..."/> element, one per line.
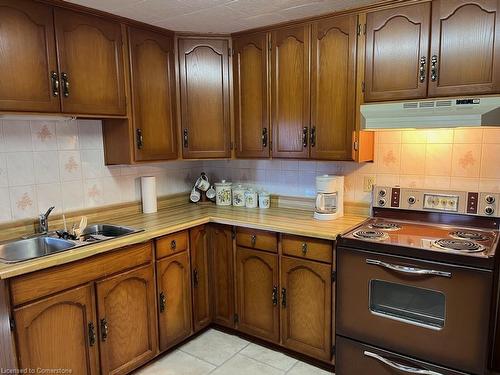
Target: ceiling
<point x="218" y="16"/>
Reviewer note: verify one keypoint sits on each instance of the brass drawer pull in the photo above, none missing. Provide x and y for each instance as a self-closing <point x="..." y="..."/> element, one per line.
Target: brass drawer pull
<point x="173" y="244"/>
<point x="163" y="302"/>
<point x="264" y="137"/>
<point x="304" y="248"/>
<point x="421" y="69"/>
<point x="253" y="239"/>
<point x="104" y="329"/>
<point x="65" y="84"/>
<point x="92" y="334"/>
<point x="305" y="131"/>
<point x="275" y="296"/>
<point x="434" y="68"/>
<point x="283" y="297"/>
<point x="55" y="83"/>
<point x="140" y="139"/>
<point x="195" y="278"/>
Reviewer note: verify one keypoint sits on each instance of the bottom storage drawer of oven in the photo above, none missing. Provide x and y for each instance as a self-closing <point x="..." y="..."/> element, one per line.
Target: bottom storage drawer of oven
<point x="355" y="358"/>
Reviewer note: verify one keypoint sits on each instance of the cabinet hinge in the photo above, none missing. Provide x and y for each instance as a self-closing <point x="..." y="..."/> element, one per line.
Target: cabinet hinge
<point x="233" y="233"/>
<point x="356" y="145"/>
<point x="236" y="318"/>
<point x="12" y="323"/>
<point x="334" y="276"/>
<point x="363" y="86"/>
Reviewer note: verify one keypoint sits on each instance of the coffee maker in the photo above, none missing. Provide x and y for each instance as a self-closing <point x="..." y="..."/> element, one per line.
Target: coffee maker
<point x="329" y="197"/>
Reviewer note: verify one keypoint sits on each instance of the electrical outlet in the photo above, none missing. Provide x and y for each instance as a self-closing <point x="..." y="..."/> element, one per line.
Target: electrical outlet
<point x="368" y="183"/>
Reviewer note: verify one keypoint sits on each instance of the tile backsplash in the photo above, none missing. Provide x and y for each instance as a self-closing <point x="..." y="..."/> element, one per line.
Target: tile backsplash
<point x="61" y="163"/>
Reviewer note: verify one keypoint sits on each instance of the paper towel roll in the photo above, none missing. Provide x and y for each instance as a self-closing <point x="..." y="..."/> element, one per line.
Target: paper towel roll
<point x="148" y="191"/>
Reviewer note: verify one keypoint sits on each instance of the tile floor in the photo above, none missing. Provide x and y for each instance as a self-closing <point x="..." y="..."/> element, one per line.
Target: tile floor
<point x="218" y="353"/>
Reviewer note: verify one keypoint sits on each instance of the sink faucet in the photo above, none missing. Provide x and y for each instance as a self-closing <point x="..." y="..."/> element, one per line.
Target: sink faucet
<point x="43" y="221"/>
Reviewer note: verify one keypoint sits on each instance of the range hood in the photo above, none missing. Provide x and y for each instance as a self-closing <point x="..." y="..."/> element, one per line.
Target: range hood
<point x="439" y="113"/>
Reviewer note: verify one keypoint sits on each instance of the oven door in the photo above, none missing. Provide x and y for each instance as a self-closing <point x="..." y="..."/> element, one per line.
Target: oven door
<point x="431" y="311"/>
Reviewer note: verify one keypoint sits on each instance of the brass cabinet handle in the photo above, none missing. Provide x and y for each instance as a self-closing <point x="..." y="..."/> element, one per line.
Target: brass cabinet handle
<point x="173" y="244"/>
<point x="305" y="131"/>
<point x="304" y="248"/>
<point x="140" y="139"/>
<point x="104" y="329"/>
<point x="283" y="297"/>
<point x="163" y="302"/>
<point x="185" y="138"/>
<point x="65" y="84"/>
<point x="92" y="334"/>
<point x="275" y="296"/>
<point x="421" y="69"/>
<point x="313" y="136"/>
<point x="54" y="78"/>
<point x="195" y="278"/>
<point x="434" y="68"/>
<point x="253" y="239"/>
<point x="264" y="137"/>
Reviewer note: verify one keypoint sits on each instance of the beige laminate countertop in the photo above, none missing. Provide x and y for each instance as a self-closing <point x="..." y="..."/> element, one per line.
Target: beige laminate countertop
<point x="174" y="219"/>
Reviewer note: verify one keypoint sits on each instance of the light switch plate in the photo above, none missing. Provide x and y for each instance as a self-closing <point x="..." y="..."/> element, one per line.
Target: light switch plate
<point x="368" y="183"/>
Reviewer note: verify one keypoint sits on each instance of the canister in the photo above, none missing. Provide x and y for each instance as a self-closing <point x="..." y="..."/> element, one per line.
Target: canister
<point x="239" y="196"/>
<point x="251" y="199"/>
<point x="264" y="199"/>
<point x="223" y="193"/>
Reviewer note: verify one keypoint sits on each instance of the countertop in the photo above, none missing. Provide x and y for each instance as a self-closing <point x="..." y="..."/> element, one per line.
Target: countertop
<point x="173" y="219"/>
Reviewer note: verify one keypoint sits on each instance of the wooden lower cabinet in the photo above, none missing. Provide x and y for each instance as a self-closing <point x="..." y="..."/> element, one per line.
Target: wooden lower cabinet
<point x="257" y="289"/>
<point x="199" y="245"/>
<point x="174" y="299"/>
<point x="59" y="332"/>
<point x="126" y="309"/>
<point x="222" y="271"/>
<point x="306" y="307"/>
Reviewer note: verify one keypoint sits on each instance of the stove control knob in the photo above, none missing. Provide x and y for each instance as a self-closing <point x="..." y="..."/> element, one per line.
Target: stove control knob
<point x="381" y="202"/>
<point x="382" y="192"/>
<point x="490" y="199"/>
<point x="489" y="210"/>
<point x="412" y="200"/>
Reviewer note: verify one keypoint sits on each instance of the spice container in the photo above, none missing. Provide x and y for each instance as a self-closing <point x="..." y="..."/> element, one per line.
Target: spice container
<point x="264" y="199"/>
<point x="239" y="196"/>
<point x="223" y="193"/>
<point x="251" y="199"/>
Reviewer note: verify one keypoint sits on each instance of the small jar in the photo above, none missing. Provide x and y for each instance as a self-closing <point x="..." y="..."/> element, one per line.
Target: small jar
<point x="264" y="199"/>
<point x="239" y="196"/>
<point x="251" y="199"/>
<point x="223" y="193"/>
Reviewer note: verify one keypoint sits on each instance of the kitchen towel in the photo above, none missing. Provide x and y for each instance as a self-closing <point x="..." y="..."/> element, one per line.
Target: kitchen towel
<point x="148" y="191"/>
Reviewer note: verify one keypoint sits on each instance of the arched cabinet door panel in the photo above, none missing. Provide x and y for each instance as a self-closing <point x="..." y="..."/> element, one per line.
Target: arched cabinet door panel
<point x="59" y="332"/>
<point x="397" y="47"/>
<point x="465" y="55"/>
<point x="28" y="66"/>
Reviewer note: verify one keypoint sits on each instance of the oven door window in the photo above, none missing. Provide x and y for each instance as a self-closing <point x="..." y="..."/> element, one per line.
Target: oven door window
<point x="409" y="304"/>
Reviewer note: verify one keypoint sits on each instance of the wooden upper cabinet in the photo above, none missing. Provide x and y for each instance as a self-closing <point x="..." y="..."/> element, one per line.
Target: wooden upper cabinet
<point x="258" y="294"/>
<point x="290" y="105"/>
<point x="333" y="87"/>
<point x="397" y="46"/>
<point x="28" y="63"/>
<point x="153" y="95"/>
<point x="306" y="316"/>
<point x="59" y="332"/>
<point x="221" y="244"/>
<point x="90" y="64"/>
<point x="251" y="68"/>
<point x="126" y="309"/>
<point x="199" y="238"/>
<point x="465" y="51"/>
<point x="204" y="86"/>
<point x="174" y="299"/>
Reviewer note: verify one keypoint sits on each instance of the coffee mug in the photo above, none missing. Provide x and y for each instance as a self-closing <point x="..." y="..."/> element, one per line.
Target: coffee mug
<point x="195" y="195"/>
<point x="211" y="193"/>
<point x="202" y="182"/>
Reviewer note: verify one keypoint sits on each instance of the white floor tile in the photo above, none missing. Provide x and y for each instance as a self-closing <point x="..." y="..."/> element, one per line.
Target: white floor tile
<point x="242" y="365"/>
<point x="268" y="356"/>
<point x="302" y="368"/>
<point x="177" y="363"/>
<point x="214" y="346"/>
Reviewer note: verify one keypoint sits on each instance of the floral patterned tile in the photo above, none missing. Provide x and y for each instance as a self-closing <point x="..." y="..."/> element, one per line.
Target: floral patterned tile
<point x="23" y="202"/>
<point x="70" y="165"/>
<point x="466" y="160"/>
<point x="43" y="135"/>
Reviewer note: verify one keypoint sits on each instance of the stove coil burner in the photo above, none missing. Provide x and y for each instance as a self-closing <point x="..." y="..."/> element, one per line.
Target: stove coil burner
<point x="468" y="235"/>
<point x="370" y="235"/>
<point x="458" y="245"/>
<point x="385" y="226"/>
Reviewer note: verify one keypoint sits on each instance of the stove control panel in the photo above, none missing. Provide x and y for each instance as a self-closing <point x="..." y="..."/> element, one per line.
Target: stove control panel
<point x="461" y="202"/>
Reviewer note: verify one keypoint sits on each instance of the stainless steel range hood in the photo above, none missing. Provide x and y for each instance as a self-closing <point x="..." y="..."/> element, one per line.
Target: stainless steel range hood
<point x="439" y="113"/>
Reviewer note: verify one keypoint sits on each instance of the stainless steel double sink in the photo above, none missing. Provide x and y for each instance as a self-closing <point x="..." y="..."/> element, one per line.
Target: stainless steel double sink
<point x="49" y="243"/>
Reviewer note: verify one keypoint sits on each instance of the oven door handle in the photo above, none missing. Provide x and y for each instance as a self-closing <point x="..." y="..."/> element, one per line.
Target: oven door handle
<point x="408" y="270"/>
<point x="399" y="366"/>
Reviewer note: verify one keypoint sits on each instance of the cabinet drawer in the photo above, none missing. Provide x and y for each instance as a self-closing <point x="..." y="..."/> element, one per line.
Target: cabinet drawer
<point x="308" y="248"/>
<point x="257" y="239"/>
<point x="171" y="244"/>
<point x="354" y="358"/>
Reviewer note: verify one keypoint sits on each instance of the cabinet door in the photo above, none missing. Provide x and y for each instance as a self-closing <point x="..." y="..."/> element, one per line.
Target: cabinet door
<point x="250" y="63"/>
<point x="333" y="87"/>
<point x="126" y="308"/>
<point x="153" y="93"/>
<point x="198" y="238"/>
<point x="257" y="292"/>
<point x="204" y="81"/>
<point x="59" y="332"/>
<point x="91" y="64"/>
<point x="174" y="296"/>
<point x="27" y="57"/>
<point x="221" y="254"/>
<point x="306" y="315"/>
<point x="465" y="56"/>
<point x="290" y="92"/>
<point x="397" y="46"/>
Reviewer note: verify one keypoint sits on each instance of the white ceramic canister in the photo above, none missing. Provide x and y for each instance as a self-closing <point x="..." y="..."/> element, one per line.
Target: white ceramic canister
<point x="223" y="193"/>
<point x="239" y="196"/>
<point x="264" y="199"/>
<point x="251" y="199"/>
